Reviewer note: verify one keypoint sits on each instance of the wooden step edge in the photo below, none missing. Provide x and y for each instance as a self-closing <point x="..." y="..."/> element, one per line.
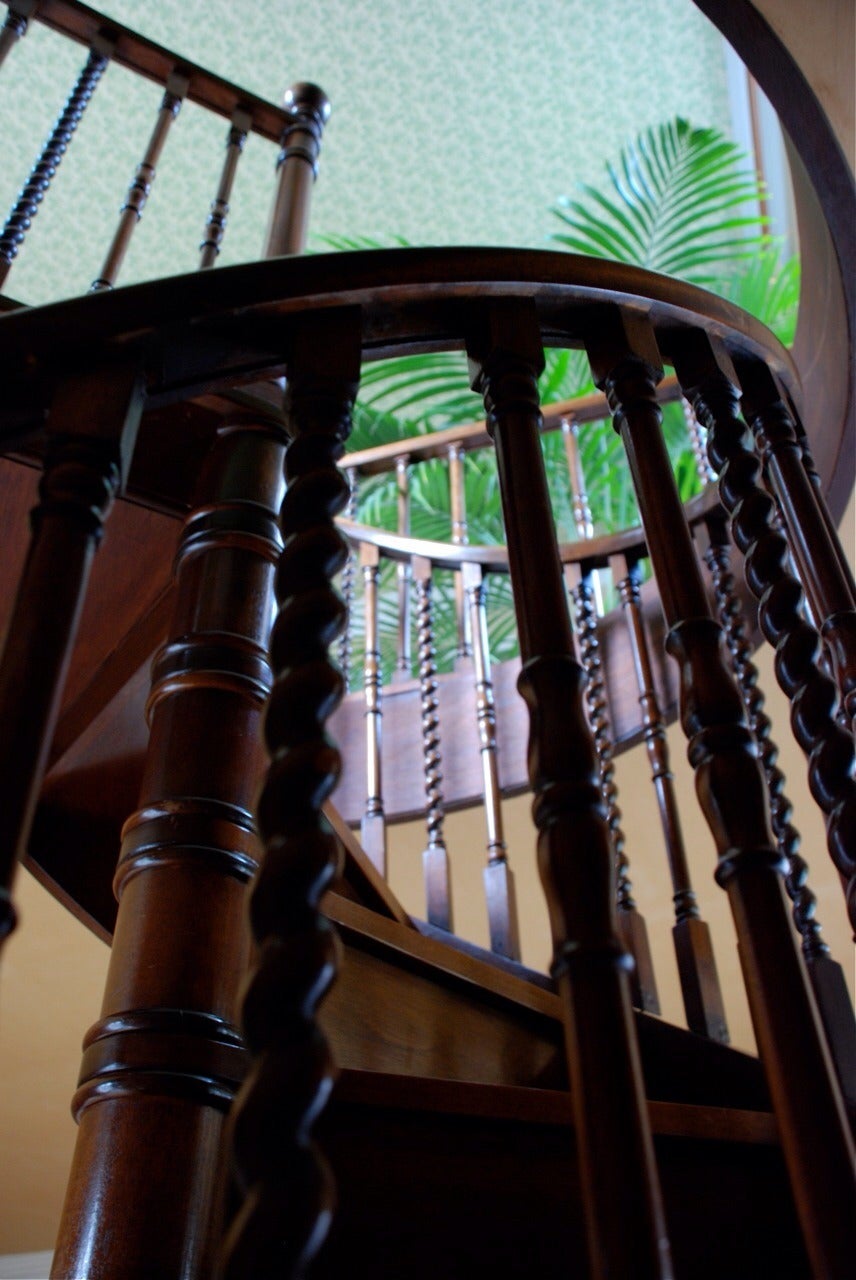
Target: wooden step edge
<point x="544" y="1106"/>
<point x="361" y="873"/>
<point x="410" y="949"/>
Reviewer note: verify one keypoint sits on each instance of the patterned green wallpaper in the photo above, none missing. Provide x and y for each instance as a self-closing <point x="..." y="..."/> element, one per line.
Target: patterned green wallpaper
<point x="454" y="121"/>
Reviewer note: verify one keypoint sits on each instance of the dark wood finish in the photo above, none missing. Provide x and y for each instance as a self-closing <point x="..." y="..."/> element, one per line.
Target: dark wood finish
<point x="141" y="184"/>
<point x="15" y="26"/>
<point x="403" y="661"/>
<point x="825" y="974"/>
<point x="307" y="110"/>
<point x="618" y="1174"/>
<point x="700" y="989"/>
<point x="146" y="58"/>
<point x="731" y="788"/>
<point x="35" y="188"/>
<point x="631" y="924"/>
<point x="93" y="424"/>
<point x="435" y="858"/>
<point x="215" y="226"/>
<point x="710" y="381"/>
<point x="347" y="584"/>
<point x="285" y="1184"/>
<point x="813" y="541"/>
<point x="166" y="1056"/>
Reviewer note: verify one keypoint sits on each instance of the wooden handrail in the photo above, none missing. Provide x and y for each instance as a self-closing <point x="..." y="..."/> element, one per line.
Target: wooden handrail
<point x="147" y="58"/>
<point x="474" y="435"/>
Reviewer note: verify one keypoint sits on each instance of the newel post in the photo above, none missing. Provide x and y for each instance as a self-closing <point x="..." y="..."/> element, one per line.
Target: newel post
<point x="590" y="965"/>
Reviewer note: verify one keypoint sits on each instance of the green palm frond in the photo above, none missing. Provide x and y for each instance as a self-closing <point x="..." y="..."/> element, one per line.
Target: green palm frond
<point x="680" y="201"/>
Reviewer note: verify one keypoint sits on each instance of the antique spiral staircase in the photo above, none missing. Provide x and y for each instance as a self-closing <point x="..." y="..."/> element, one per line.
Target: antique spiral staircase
<point x="485" y="1118"/>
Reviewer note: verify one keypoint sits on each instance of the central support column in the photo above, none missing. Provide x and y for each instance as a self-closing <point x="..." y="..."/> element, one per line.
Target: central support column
<point x="162" y="1064"/>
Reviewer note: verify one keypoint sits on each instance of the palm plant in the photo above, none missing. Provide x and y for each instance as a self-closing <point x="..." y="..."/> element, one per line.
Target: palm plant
<point x="680" y="200"/>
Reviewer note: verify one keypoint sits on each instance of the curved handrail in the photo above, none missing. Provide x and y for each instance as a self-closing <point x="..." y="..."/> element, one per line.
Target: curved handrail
<point x="593" y="552"/>
<point x="206" y="330"/>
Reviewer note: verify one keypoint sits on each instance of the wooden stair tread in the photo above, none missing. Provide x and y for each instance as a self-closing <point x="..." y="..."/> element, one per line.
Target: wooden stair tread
<point x="543" y="1106"/>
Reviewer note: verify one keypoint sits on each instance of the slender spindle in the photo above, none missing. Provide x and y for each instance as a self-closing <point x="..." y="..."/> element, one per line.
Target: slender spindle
<point x="498" y="876"/>
<point x="15" y="26"/>
<point x="347" y="585"/>
<point x="403" y="662"/>
<point x="709" y="379"/>
<point x="814" y="544"/>
<point x="373" y="826"/>
<point x="580" y="505"/>
<point x="286" y="1183"/>
<point x="435" y="858"/>
<point x="35" y="188"/>
<point x="141" y="184"/>
<point x="460" y="538"/>
<point x="631" y="924"/>
<point x="730" y="782"/>
<point x="618" y="1172"/>
<point x="704" y="470"/>
<point x="702" y="995"/>
<point x="215" y="227"/>
<point x="825" y="974"/>
<point x="92" y="427"/>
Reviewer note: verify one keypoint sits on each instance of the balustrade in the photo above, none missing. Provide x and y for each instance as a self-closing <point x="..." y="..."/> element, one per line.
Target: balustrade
<point x="166" y="1053"/>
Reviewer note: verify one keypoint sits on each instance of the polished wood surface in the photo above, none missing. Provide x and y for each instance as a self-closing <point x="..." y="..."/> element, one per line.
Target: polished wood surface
<point x="618" y="1174"/>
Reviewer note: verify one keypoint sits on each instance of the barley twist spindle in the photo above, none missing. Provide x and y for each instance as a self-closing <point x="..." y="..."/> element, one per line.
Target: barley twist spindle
<point x="435" y="857"/>
<point x="35" y="188"/>
<point x="287" y="1185"/>
<point x="630" y="924"/>
<point x="347" y="585"/>
<point x="704" y="471"/>
<point x="373" y="824"/>
<point x="732" y="791"/>
<point x="141" y="184"/>
<point x="709" y="380"/>
<point x="583" y="518"/>
<point x="215" y="227"/>
<point x="460" y="538"/>
<point x="825" y="974"/>
<point x="403" y="662"/>
<point x="820" y="561"/>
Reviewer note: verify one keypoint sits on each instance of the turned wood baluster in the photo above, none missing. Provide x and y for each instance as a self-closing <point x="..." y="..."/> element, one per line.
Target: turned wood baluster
<point x="731" y="787"/>
<point x="373" y="825"/>
<point x="15" y="26"/>
<point x="403" y="664"/>
<point x="626" y="1230"/>
<point x="460" y="538"/>
<point x="92" y="426"/>
<point x="702" y="995"/>
<point x="215" y="227"/>
<point x="813" y="475"/>
<point x="347" y="585"/>
<point x="141" y="184"/>
<point x="631" y="925"/>
<point x="709" y="379"/>
<point x="35" y="188"/>
<point x="583" y="520"/>
<point x="499" y="885"/>
<point x="825" y="974"/>
<point x="704" y="470"/>
<point x="435" y="859"/>
<point x="286" y="1183"/>
<point x="818" y="556"/>
<point x="162" y="1064"/>
<point x="308" y="108"/>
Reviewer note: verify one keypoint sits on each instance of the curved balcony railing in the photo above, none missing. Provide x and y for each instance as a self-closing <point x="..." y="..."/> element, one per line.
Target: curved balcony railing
<point x="166" y="395"/>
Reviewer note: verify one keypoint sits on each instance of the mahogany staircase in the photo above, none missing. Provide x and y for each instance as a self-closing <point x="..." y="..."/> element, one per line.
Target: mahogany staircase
<point x="485" y="1118"/>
